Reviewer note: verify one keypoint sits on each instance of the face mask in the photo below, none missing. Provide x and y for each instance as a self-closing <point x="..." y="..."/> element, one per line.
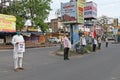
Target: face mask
<point x="18" y="33"/>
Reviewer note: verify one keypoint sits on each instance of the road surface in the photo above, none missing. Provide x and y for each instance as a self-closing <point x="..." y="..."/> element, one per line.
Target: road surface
<point x="41" y="64"/>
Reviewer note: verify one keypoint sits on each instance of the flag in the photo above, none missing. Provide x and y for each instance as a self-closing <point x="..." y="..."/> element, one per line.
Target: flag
<point x="94" y="34"/>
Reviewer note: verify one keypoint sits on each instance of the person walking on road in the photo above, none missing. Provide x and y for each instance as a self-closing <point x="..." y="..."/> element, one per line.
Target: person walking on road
<point x="99" y="42"/>
<point x="94" y="44"/>
<point x="67" y="46"/>
<point x="106" y="41"/>
<point x="19" y="47"/>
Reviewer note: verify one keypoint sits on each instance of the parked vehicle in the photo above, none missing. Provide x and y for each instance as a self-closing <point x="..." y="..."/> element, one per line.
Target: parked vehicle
<point x="111" y="37"/>
<point x="53" y="40"/>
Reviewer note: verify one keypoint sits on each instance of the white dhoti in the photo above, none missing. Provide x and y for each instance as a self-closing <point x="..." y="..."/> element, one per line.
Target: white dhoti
<point x="18" y="56"/>
<point x="19" y="49"/>
<point x="18" y="59"/>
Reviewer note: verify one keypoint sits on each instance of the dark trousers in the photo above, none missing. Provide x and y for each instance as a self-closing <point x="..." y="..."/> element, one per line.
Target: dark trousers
<point x="99" y="45"/>
<point x="94" y="47"/>
<point x="82" y="49"/>
<point x="66" y="50"/>
<point x="106" y="44"/>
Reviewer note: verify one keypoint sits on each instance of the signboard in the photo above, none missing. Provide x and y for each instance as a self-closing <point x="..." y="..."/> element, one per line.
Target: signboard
<point x="7" y="23"/>
<point x="90" y="10"/>
<point x="115" y="23"/>
<point x="80" y="12"/>
<point x="81" y="1"/>
<point x="115" y="31"/>
<point x="21" y="47"/>
<point x="73" y="12"/>
<point x="69" y="12"/>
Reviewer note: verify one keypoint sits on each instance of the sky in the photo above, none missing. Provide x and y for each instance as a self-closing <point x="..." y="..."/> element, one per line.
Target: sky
<point x="109" y="8"/>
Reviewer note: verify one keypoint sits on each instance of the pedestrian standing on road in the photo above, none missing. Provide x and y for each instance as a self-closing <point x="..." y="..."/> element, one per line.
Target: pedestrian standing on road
<point x="99" y="42"/>
<point x="67" y="46"/>
<point x="106" y="41"/>
<point x="82" y="43"/>
<point x="19" y="48"/>
<point x="94" y="44"/>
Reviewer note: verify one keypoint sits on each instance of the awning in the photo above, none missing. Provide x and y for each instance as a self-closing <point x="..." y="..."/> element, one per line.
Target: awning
<point x="7" y="33"/>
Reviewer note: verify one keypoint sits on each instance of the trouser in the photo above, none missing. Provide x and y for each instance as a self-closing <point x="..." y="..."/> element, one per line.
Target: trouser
<point x="106" y="44"/>
<point x="99" y="45"/>
<point x="18" y="61"/>
<point x="66" y="50"/>
<point x="82" y="49"/>
<point x="94" y="47"/>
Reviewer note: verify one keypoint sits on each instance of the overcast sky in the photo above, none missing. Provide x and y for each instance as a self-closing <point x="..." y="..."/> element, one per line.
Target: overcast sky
<point x="110" y="8"/>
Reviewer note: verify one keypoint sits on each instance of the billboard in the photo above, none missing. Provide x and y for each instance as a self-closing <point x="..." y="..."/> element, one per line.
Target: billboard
<point x="7" y="23"/>
<point x="90" y="10"/>
<point x="80" y="12"/>
<point x="115" y="22"/>
<point x="81" y="1"/>
<point x="69" y="12"/>
<point x="73" y="12"/>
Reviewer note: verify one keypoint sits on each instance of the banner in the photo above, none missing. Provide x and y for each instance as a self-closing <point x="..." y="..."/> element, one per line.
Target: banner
<point x="80" y="12"/>
<point x="81" y="1"/>
<point x="69" y="12"/>
<point x="115" y="23"/>
<point x="21" y="47"/>
<point x="90" y="10"/>
<point x="7" y="23"/>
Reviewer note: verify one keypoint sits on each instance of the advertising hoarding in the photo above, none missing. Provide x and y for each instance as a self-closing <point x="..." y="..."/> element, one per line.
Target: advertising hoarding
<point x="81" y="1"/>
<point x="7" y="23"/>
<point x="80" y="12"/>
<point x="73" y="12"/>
<point x="69" y="12"/>
<point x="115" y="22"/>
<point x="90" y="10"/>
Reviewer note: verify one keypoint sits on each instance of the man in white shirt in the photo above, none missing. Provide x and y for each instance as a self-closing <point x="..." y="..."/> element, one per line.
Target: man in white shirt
<point x="19" y="48"/>
<point x="82" y="43"/>
<point x="99" y="42"/>
<point x="106" y="41"/>
<point x="67" y="46"/>
<point x="94" y="44"/>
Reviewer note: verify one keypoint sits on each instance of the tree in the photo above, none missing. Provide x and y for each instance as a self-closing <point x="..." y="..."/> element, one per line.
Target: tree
<point x="36" y="10"/>
<point x="103" y="21"/>
<point x="14" y="8"/>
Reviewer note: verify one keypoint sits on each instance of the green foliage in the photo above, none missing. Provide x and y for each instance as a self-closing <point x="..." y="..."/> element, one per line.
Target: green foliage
<point x="39" y="10"/>
<point x="36" y="10"/>
<point x="89" y="47"/>
<point x="40" y="22"/>
<point x="103" y="21"/>
<point x="19" y="22"/>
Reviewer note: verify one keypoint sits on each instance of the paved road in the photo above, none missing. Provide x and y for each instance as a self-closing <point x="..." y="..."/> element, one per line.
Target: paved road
<point x="40" y="64"/>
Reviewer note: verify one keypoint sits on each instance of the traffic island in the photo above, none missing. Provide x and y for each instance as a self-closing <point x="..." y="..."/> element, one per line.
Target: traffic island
<point x="87" y="50"/>
<point x="61" y="53"/>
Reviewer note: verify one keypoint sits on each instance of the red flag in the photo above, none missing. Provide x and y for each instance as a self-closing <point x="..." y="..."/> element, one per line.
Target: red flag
<point x="94" y="33"/>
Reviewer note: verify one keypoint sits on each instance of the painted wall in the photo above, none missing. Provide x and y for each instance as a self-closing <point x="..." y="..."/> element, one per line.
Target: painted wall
<point x="74" y="29"/>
